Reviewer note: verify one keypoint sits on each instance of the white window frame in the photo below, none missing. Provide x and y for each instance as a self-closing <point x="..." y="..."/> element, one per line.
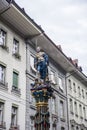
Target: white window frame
<point x="69" y="84"/>
<point x="82" y="93"/>
<point x="61" y="109"/>
<point x="32" y="63"/>
<point x="2" y="74"/>
<point x="80" y="110"/>
<point x="2" y="37"/>
<point x="71" y="105"/>
<point x="1" y="112"/>
<point x="84" y="112"/>
<point x="79" y="91"/>
<point x="75" y="106"/>
<point x="15" y="114"/>
<point x="15" y="46"/>
<point x="60" y="80"/>
<point x="53" y="101"/>
<point x="74" y="87"/>
<point x="52" y="77"/>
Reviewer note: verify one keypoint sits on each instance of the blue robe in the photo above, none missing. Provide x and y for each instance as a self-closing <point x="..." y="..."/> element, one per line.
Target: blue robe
<point x="42" y="66"/>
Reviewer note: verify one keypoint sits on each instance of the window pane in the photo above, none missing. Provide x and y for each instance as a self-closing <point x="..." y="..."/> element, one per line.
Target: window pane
<point x="2" y="37"/>
<point x="52" y="76"/>
<point x="69" y="84"/>
<point x="71" y="105"/>
<point x="53" y="105"/>
<point x="2" y="73"/>
<point x="15" y="79"/>
<point x="61" y="109"/>
<point x="1" y="111"/>
<point x="15" y="46"/>
<point x="60" y="83"/>
<point x="32" y="61"/>
<point x="14" y="116"/>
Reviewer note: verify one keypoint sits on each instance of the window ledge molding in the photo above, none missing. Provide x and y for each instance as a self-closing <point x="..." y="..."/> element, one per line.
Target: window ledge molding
<point x="17" y="55"/>
<point x="3" y="85"/>
<point x="16" y="91"/>
<point x="72" y="112"/>
<point x="14" y="127"/>
<point x="5" y="47"/>
<point x="62" y="119"/>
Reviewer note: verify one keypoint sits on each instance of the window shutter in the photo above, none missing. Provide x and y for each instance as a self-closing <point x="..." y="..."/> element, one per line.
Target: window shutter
<point x="15" y="79"/>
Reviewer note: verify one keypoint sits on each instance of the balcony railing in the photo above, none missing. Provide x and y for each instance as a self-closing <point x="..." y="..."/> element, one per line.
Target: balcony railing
<point x="14" y="127"/>
<point x="16" y="90"/>
<point x="2" y="125"/>
<point x="3" y="85"/>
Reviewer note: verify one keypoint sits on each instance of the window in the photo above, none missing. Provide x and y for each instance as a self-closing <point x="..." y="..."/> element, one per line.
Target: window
<point x="15" y="46"/>
<point x="86" y="95"/>
<point x="53" y="105"/>
<point x="14" y="116"/>
<point x="61" y="109"/>
<point x="31" y="99"/>
<point x="77" y="128"/>
<point x="69" y="84"/>
<point x="60" y="83"/>
<point x="82" y="93"/>
<point x="72" y="127"/>
<point x="84" y="112"/>
<point x="32" y="64"/>
<point x="54" y="128"/>
<point x="62" y="128"/>
<point x="74" y="87"/>
<point x="1" y="112"/>
<point x="15" y="80"/>
<point x="80" y="110"/>
<point x="2" y="37"/>
<point x="52" y="77"/>
<point x="71" y="105"/>
<point x="75" y="105"/>
<point x="2" y="74"/>
<point x="32" y="123"/>
<point x="79" y="91"/>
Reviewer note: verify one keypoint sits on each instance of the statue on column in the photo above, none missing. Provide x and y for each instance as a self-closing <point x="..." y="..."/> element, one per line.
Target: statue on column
<point x="41" y="90"/>
<point x="41" y="63"/>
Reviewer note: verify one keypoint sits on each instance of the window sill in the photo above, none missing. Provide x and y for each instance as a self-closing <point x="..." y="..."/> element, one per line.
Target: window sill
<point x="4" y="47"/>
<point x="72" y="112"/>
<point x="76" y="115"/>
<point x="3" y="85"/>
<point x="81" y="117"/>
<point x="32" y="106"/>
<point x="14" y="127"/>
<point x="62" y="119"/>
<point x="16" y="91"/>
<point x="17" y="55"/>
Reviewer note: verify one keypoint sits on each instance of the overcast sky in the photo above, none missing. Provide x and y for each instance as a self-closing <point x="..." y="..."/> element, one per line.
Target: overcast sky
<point x="65" y="22"/>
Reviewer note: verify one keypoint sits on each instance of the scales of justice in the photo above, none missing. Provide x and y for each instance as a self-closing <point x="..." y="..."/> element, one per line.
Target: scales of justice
<point x="41" y="90"/>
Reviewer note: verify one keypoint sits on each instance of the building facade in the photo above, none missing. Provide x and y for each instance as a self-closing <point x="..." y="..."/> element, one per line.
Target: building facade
<point x="19" y="37"/>
<point x="77" y="102"/>
<point x="12" y="77"/>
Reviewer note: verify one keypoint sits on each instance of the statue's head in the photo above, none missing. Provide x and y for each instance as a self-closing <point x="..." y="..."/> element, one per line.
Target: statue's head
<point x="38" y="49"/>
